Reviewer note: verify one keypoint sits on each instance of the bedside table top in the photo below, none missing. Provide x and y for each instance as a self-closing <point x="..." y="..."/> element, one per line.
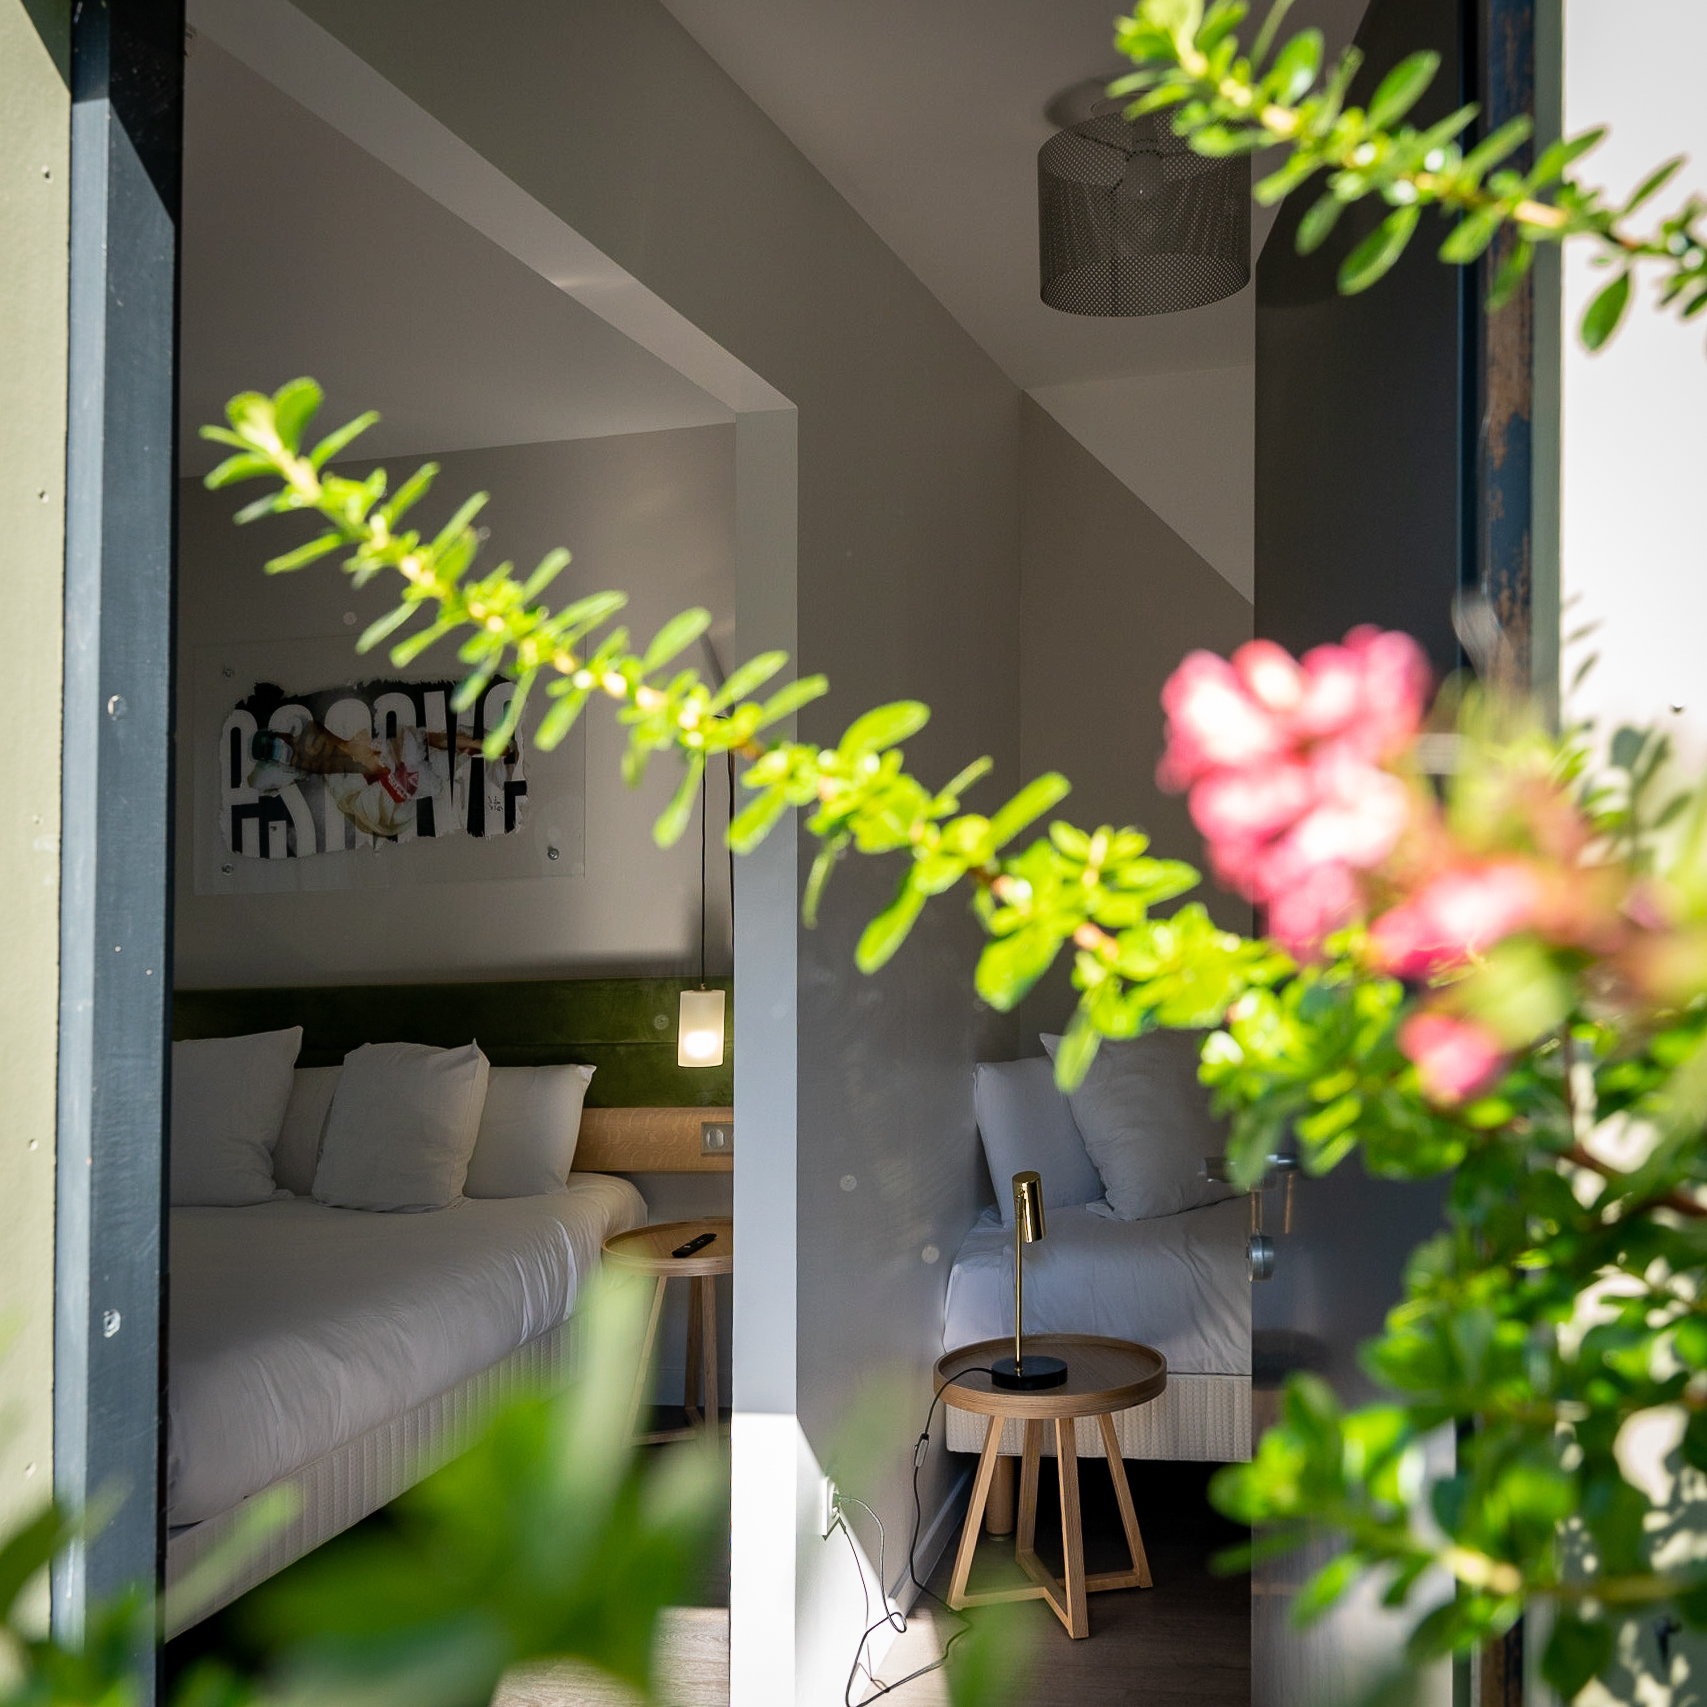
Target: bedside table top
<point x="646" y="1250"/>
<point x="1103" y="1376"/>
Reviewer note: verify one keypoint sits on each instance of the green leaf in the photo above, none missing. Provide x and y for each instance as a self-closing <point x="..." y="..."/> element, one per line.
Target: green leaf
<point x="1495" y="147"/>
<point x="27" y="1550"/>
<point x="245" y="465"/>
<point x="674" y="818"/>
<point x="336" y="440"/>
<point x="1559" y="155"/>
<point x="1076" y="1051"/>
<point x="1295" y="67"/>
<point x="1576" y="1653"/>
<point x="746" y="677"/>
<point x="1375" y="255"/>
<point x="1601" y="318"/>
<point x="822" y="866"/>
<point x="551" y="565"/>
<point x="883" y="727"/>
<point x="304" y="554"/>
<point x="1032" y="801"/>
<point x="753" y="823"/>
<point x="452" y="530"/>
<point x="889" y="929"/>
<point x="408" y="494"/>
<point x="788" y="700"/>
<point x="1270" y="29"/>
<point x="1401" y="89"/>
<point x="1472" y="234"/>
<point x="377" y="631"/>
<point x="294" y="406"/>
<point x="1655" y="181"/>
<point x="1325" y="1587"/>
<point x="1314" y="227"/>
<point x="1513" y="270"/>
<point x="675" y="636"/>
<point x="1010" y="965"/>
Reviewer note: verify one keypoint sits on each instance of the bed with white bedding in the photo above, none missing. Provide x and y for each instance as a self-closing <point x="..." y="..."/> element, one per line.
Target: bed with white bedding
<point x="374" y="1245"/>
<point x="1175" y="1282"/>
<point x="340" y="1353"/>
<point x="1140" y="1243"/>
<point x="296" y="1327"/>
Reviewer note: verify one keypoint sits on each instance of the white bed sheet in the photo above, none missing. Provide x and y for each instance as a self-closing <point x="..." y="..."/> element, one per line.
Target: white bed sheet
<point x="1176" y="1282"/>
<point x="295" y="1327"/>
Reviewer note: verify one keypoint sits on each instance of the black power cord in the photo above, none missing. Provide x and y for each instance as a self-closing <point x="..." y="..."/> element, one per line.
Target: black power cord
<point x="897" y="1620"/>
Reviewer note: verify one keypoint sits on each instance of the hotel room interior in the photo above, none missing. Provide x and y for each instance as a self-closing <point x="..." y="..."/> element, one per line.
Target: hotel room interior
<point x="740" y="302"/>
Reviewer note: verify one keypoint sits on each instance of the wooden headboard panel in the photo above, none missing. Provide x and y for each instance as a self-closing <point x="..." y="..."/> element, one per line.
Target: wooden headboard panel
<point x="643" y="1112"/>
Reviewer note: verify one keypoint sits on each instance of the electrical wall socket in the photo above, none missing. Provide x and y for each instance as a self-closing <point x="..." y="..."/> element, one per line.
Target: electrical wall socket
<point x="829" y="1513"/>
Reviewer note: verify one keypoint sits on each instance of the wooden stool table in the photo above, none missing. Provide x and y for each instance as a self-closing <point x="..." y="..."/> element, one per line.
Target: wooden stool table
<point x="1103" y="1376"/>
<point x="646" y="1250"/>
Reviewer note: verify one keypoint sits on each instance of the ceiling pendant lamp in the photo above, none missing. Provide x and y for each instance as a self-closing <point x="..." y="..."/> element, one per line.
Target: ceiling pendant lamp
<point x="1131" y="221"/>
<point x="699" y="1018"/>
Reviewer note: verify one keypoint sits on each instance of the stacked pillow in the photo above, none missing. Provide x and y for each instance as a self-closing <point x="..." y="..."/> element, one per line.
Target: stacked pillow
<point x="1135" y="1133"/>
<point x="399" y="1128"/>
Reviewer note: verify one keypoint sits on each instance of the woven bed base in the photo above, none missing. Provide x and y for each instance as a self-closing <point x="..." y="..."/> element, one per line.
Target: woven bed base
<point x="360" y="1476"/>
<point x="1198" y="1417"/>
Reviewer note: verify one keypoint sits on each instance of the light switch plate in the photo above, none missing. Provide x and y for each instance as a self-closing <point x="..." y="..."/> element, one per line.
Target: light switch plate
<point x="716" y="1138"/>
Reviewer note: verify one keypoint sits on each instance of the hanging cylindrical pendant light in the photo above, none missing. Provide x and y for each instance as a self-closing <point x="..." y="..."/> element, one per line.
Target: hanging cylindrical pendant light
<point x="1131" y="221"/>
<point x="699" y="1020"/>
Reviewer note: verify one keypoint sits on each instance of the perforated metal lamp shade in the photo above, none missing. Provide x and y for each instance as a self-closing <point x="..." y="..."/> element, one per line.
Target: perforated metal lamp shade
<point x="1130" y="221"/>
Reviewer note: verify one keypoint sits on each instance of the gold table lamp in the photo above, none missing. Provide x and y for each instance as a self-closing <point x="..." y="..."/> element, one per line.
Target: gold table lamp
<point x="1020" y="1371"/>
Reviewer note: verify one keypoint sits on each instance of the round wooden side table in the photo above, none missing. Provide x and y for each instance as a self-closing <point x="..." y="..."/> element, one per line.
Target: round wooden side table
<point x="1103" y="1376"/>
<point x="646" y="1250"/>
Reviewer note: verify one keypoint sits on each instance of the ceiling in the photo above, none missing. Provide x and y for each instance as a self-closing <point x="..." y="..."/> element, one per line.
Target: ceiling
<point x="927" y="116"/>
<point x="303" y="254"/>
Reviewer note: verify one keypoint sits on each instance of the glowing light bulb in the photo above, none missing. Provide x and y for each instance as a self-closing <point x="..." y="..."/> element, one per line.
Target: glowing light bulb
<point x="699" y="1030"/>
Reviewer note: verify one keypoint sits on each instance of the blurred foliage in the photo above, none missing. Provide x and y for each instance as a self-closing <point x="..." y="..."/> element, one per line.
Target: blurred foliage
<point x="551" y="1538"/>
<point x="1283" y="94"/>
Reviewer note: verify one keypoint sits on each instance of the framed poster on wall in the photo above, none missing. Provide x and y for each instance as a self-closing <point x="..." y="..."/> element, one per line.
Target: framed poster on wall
<point x="306" y="775"/>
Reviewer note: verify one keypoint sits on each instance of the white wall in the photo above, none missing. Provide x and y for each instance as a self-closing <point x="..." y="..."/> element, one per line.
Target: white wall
<point x="652" y="514"/>
<point x="1633" y="432"/>
<point x="1633" y="556"/>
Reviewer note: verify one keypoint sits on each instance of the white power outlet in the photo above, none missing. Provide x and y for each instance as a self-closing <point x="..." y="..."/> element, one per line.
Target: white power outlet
<point x="829" y="1510"/>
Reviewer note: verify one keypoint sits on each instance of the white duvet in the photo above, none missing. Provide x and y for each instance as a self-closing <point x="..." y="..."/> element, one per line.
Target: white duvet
<point x="295" y="1328"/>
<point x="1176" y="1282"/>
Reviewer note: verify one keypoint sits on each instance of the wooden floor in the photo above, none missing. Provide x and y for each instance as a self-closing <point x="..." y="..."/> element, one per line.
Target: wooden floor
<point x="1184" y="1643"/>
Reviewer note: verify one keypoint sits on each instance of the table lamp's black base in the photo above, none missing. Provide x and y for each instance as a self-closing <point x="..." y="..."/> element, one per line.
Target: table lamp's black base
<point x="1034" y="1372"/>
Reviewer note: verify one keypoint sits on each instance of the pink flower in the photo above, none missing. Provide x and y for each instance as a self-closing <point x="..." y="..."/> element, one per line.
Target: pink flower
<point x="1213" y="722"/>
<point x="1373" y="689"/>
<point x="1283" y="761"/>
<point x="1461" y="914"/>
<point x="1455" y="1058"/>
<point x="1270" y="675"/>
<point x="1251" y="803"/>
<point x="1322" y="901"/>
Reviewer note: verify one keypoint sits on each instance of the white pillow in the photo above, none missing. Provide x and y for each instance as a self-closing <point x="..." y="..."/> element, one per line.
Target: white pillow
<point x="298" y="1152"/>
<point x="402" y="1127"/>
<point x="1026" y="1123"/>
<point x="228" y="1102"/>
<point x="1146" y="1123"/>
<point x="528" y="1130"/>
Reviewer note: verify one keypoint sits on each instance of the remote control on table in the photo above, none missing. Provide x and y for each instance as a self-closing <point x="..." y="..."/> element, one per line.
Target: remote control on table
<point x="693" y="1245"/>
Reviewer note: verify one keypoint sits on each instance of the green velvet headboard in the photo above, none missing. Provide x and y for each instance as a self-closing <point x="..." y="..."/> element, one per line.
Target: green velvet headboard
<point x="625" y="1027"/>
